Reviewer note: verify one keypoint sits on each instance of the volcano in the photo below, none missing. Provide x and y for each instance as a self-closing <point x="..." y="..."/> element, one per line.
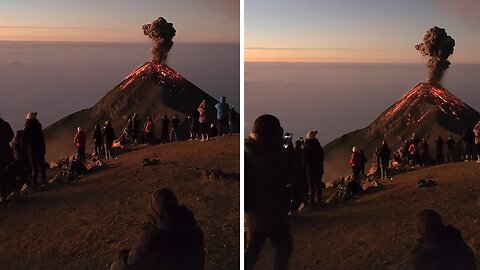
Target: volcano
<point x="427" y="110"/>
<point x="151" y="90"/>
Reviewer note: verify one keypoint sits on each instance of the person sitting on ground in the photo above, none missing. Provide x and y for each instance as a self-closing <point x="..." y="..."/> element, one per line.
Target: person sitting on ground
<point x="34" y="143"/>
<point x="174" y="131"/>
<point x="441" y="247"/>
<point x="450" y="149"/>
<point x="173" y="240"/>
<point x="468" y="142"/>
<point x="222" y="117"/>
<point x="97" y="140"/>
<point x="439" y="154"/>
<point x="149" y="130"/>
<point x="108" y="137"/>
<point x="80" y="142"/>
<point x="384" y="155"/>
<point x="266" y="195"/>
<point x="164" y="133"/>
<point x="313" y="159"/>
<point x="476" y="131"/>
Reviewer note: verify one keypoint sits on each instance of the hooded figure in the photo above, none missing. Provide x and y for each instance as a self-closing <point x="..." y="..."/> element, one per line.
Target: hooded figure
<point x="80" y="142"/>
<point x="266" y="195"/>
<point x="222" y="116"/>
<point x="6" y="136"/>
<point x="440" y="246"/>
<point x="313" y="159"/>
<point x="172" y="241"/>
<point x="34" y="143"/>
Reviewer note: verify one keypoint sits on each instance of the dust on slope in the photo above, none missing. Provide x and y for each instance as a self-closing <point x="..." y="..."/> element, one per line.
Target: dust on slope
<point x="377" y="231"/>
<point x="83" y="224"/>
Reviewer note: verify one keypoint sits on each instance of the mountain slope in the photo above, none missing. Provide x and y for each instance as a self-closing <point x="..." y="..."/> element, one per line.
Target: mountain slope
<point x="427" y="110"/>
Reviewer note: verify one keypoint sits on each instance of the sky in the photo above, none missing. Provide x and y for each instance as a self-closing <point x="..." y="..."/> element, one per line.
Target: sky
<point x="208" y="21"/>
<point x="368" y="31"/>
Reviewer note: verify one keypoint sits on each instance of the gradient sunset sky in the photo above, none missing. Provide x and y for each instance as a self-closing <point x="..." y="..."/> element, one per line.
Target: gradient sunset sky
<point x="367" y="31"/>
<point x="209" y="21"/>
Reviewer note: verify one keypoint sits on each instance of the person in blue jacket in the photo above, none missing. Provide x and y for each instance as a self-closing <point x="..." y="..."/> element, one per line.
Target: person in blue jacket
<point x="223" y="110"/>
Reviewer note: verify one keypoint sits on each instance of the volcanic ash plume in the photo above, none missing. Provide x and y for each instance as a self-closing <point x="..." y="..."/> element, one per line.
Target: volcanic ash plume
<point x="161" y="32"/>
<point x="439" y="46"/>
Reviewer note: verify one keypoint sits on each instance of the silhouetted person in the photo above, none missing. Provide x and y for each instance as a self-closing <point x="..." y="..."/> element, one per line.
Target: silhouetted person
<point x="413" y="151"/>
<point x="202" y="119"/>
<point x="149" y="131"/>
<point x="174" y="131"/>
<point x="266" y="195"/>
<point x="135" y="122"/>
<point x="34" y="142"/>
<point x="80" y="142"/>
<point x="385" y="155"/>
<point x="364" y="161"/>
<point x="468" y="142"/>
<point x="6" y="136"/>
<point x="195" y="125"/>
<point x="313" y="158"/>
<point x="97" y="140"/>
<point x="356" y="164"/>
<point x="164" y="134"/>
<point x="299" y="181"/>
<point x="108" y="136"/>
<point x="378" y="161"/>
<point x="233" y="119"/>
<point x="441" y="247"/>
<point x="222" y="117"/>
<point x="424" y="152"/>
<point x="173" y="240"/>
<point x="19" y="150"/>
<point x="476" y="131"/>
<point x="450" y="149"/>
<point x="439" y="151"/>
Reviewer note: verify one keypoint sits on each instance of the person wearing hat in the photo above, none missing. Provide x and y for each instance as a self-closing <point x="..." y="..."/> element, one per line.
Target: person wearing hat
<point x="313" y="159"/>
<point x="440" y="246"/>
<point x="356" y="164"/>
<point x="34" y="143"/>
<point x="172" y="240"/>
<point x="80" y="142"/>
<point x="267" y="201"/>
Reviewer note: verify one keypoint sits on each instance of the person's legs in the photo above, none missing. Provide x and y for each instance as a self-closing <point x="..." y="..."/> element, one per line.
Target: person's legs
<point x="220" y="128"/>
<point x="254" y="246"/>
<point x="107" y="151"/>
<point x="42" y="168"/>
<point x="311" y="183"/>
<point x="478" y="153"/>
<point x="282" y="242"/>
<point x="319" y="188"/>
<point x="34" y="170"/>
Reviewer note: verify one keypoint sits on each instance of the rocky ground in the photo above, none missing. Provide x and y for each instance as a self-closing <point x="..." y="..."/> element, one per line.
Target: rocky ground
<point x="83" y="223"/>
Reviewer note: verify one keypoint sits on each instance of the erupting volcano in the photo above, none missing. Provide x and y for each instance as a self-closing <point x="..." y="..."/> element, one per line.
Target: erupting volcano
<point x="428" y="110"/>
<point x="154" y="89"/>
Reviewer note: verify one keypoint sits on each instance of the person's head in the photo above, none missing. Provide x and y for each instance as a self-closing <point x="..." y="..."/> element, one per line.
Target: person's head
<point x="31" y="115"/>
<point x="429" y="223"/>
<point x="175" y="116"/>
<point x="107" y="123"/>
<point x="298" y="144"/>
<point x="135" y="115"/>
<point x="414" y="135"/>
<point x="267" y="127"/>
<point x="450" y="137"/>
<point x="163" y="203"/>
<point x="311" y="134"/>
<point x="149" y="118"/>
<point x="79" y="129"/>
<point x="203" y="104"/>
<point x="223" y="99"/>
<point x="354" y="149"/>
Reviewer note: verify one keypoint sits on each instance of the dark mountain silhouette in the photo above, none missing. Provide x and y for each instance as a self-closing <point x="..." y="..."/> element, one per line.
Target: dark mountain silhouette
<point x="427" y="110"/>
<point x="151" y="90"/>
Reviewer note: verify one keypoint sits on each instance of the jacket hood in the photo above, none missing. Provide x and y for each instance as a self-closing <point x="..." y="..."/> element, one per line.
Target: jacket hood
<point x="223" y="99"/>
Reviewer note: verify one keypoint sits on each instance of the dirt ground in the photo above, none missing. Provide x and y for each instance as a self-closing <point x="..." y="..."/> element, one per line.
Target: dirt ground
<point x="376" y="230"/>
<point x="84" y="223"/>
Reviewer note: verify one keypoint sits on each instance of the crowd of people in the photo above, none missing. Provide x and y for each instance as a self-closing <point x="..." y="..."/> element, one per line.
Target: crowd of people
<point x="279" y="173"/>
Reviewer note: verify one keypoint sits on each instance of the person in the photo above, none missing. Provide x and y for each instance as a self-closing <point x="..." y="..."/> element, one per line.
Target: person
<point x="232" y="119"/>
<point x="440" y="246"/>
<point x="439" y="153"/>
<point x="378" y="160"/>
<point x="135" y="122"/>
<point x="202" y="119"/>
<point x="313" y="159"/>
<point x="356" y="164"/>
<point x="164" y="134"/>
<point x="476" y="131"/>
<point x="363" y="160"/>
<point x="19" y="151"/>
<point x="450" y="149"/>
<point x="413" y="150"/>
<point x="34" y="143"/>
<point x="149" y="130"/>
<point x="6" y="136"/>
<point x="300" y="181"/>
<point x="80" y="142"/>
<point x="97" y="140"/>
<point x="384" y="154"/>
<point x="222" y="117"/>
<point x="468" y="141"/>
<point x="108" y="136"/>
<point x="266" y="194"/>
<point x="174" y="131"/>
<point x="424" y="152"/>
<point x="171" y="240"/>
<point x="195" y="124"/>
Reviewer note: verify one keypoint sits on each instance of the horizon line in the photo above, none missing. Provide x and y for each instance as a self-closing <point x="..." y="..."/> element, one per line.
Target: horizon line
<point x="338" y="62"/>
<point x="113" y="42"/>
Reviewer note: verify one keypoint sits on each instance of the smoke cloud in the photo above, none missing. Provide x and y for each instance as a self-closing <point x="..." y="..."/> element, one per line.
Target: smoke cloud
<point x="439" y="46"/>
<point x="161" y="32"/>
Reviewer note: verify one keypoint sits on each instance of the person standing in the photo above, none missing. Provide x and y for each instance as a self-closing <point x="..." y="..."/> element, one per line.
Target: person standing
<point x="476" y="131"/>
<point x="202" y="119"/>
<point x="164" y="134"/>
<point x="80" y="142"/>
<point x="97" y="140"/>
<point x="232" y="119"/>
<point x="135" y="122"/>
<point x="313" y="159"/>
<point x="266" y="195"/>
<point x="468" y="142"/>
<point x="439" y="153"/>
<point x="6" y="136"/>
<point x="222" y="117"/>
<point x="384" y="154"/>
<point x="149" y="130"/>
<point x="34" y="143"/>
<point x="450" y="149"/>
<point x="195" y="125"/>
<point x="424" y="152"/>
<point x="356" y="164"/>
<point x="108" y="136"/>
<point x="174" y="131"/>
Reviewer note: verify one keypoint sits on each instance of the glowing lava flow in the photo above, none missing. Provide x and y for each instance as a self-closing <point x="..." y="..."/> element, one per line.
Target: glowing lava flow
<point x="164" y="74"/>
